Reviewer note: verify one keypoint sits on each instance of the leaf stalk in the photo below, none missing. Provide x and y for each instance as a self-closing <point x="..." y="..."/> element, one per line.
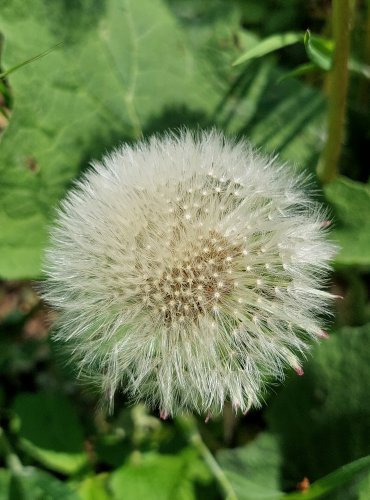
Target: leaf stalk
<point x="11" y="458"/>
<point x="189" y="426"/>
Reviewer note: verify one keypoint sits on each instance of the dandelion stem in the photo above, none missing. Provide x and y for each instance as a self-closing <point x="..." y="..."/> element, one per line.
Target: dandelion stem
<point x="230" y="423"/>
<point x="328" y="167"/>
<point x="188" y="425"/>
<point x="12" y="460"/>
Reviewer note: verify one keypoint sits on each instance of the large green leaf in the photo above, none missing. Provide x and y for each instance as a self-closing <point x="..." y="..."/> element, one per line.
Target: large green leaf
<point x="50" y="431"/>
<point x="160" y="477"/>
<point x="254" y="469"/>
<point x="125" y="67"/>
<point x="323" y="418"/>
<point x="350" y="202"/>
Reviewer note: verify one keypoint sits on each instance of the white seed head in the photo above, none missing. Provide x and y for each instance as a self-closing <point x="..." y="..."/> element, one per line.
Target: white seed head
<point x="157" y="293"/>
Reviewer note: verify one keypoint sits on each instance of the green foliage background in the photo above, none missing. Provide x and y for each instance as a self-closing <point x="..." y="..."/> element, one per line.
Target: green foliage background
<point x="128" y="68"/>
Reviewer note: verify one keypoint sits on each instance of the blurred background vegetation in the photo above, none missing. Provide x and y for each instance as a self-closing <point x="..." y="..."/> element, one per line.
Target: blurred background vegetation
<point x="120" y="70"/>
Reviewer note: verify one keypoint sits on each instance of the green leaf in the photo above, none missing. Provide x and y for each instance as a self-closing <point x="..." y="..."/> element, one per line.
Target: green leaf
<point x="105" y="85"/>
<point x="319" y="50"/>
<point x="350" y="202"/>
<point x="359" y="68"/>
<point x="291" y="116"/>
<point x="302" y="69"/>
<point x="268" y="45"/>
<point x="347" y="481"/>
<point x="254" y="469"/>
<point x="323" y="419"/>
<point x="94" y="488"/>
<point x="159" y="477"/>
<point x="50" y="431"/>
<point x="34" y="484"/>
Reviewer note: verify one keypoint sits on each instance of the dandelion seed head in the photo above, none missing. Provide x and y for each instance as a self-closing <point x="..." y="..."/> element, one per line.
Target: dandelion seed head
<point x="188" y="270"/>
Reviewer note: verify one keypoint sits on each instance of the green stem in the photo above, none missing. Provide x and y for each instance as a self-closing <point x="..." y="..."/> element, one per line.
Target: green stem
<point x="189" y="427"/>
<point x="363" y="94"/>
<point x="11" y="459"/>
<point x="230" y="423"/>
<point x="328" y="167"/>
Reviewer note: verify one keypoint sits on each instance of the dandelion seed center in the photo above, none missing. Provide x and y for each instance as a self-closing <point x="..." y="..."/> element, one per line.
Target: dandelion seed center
<point x="197" y="282"/>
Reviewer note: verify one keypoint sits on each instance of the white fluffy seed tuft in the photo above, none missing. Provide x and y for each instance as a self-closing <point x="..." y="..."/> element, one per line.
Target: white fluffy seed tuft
<point x="188" y="270"/>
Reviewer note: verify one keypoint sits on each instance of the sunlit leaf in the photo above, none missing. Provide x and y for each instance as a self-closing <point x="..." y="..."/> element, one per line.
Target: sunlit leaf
<point x="319" y="50"/>
<point x="104" y="86"/>
<point x="159" y="477"/>
<point x="268" y="45"/>
<point x="94" y="488"/>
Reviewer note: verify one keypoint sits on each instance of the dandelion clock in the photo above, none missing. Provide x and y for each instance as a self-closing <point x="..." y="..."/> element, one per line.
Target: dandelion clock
<point x="188" y="270"/>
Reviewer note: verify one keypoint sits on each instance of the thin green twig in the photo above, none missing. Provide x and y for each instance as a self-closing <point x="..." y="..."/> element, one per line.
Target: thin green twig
<point x="28" y="61"/>
<point x="189" y="427"/>
<point x="328" y="167"/>
<point x="11" y="458"/>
